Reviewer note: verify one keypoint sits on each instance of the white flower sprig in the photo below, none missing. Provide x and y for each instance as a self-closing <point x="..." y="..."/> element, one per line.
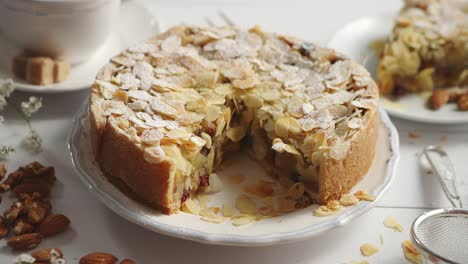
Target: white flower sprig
<point x="33" y="141"/>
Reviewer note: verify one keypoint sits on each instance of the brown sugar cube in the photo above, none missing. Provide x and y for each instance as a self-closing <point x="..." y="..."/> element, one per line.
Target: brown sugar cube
<point x="40" y="70"/>
<point x="18" y="66"/>
<point x="61" y="70"/>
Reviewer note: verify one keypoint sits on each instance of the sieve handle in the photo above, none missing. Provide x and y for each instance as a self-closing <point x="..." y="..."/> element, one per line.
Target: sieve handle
<point x="441" y="164"/>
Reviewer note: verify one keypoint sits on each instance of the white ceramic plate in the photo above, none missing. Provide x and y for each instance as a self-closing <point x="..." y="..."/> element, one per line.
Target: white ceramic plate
<point x="135" y="24"/>
<point x="353" y="40"/>
<point x="291" y="227"/>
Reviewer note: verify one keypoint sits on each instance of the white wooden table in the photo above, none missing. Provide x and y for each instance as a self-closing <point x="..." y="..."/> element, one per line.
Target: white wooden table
<point x="95" y="228"/>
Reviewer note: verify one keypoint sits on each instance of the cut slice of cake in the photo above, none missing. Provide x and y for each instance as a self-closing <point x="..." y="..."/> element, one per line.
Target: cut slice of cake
<point x="427" y="49"/>
<point x="163" y="113"/>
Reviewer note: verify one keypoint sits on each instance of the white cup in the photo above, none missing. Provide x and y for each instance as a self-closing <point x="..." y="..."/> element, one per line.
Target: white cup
<point x="70" y="29"/>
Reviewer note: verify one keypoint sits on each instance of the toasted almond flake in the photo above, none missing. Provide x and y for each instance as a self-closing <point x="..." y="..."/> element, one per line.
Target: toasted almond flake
<point x="228" y="210"/>
<point x="191" y="206"/>
<point x="214" y="220"/>
<point x="364" y="196"/>
<point x="368" y="249"/>
<point x="242" y="220"/>
<point x="411" y="253"/>
<point x="391" y="222"/>
<point x="324" y="211"/>
<point x="209" y="212"/>
<point x="154" y="154"/>
<point x="359" y="262"/>
<point x="348" y="199"/>
<point x="334" y="205"/>
<point x="246" y="205"/>
<point x="236" y="179"/>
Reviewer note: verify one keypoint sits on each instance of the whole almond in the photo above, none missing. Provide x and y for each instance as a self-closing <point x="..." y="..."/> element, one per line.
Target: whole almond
<point x="98" y="258"/>
<point x="44" y="255"/>
<point x="127" y="261"/>
<point x="3" y="227"/>
<point x="438" y="99"/>
<point x="25" y="241"/>
<point x="53" y="224"/>
<point x="30" y="188"/>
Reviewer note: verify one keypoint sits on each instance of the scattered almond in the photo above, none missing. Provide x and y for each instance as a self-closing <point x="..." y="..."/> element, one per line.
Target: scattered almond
<point x="368" y="249"/>
<point x="3" y="227"/>
<point x="360" y="262"/>
<point x="45" y="254"/>
<point x="411" y="253"/>
<point x="30" y="188"/>
<point x="127" y="261"/>
<point x="438" y="99"/>
<point x="25" y="241"/>
<point x="413" y="135"/>
<point x="462" y="103"/>
<point x="391" y="222"/>
<point x="2" y="170"/>
<point x="54" y="224"/>
<point x="364" y="196"/>
<point x="98" y="258"/>
<point x="324" y="211"/>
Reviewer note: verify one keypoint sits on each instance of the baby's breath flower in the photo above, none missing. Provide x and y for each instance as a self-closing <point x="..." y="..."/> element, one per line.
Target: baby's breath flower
<point x="3" y="103"/>
<point x="33" y="142"/>
<point x="32" y="106"/>
<point x="6" y="87"/>
<point x="5" y="151"/>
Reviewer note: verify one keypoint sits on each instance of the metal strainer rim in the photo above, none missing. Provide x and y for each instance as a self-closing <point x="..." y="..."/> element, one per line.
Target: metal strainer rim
<point x="425" y="216"/>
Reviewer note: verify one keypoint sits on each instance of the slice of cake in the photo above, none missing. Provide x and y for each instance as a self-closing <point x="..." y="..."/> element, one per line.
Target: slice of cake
<point x="164" y="112"/>
<point x="427" y="49"/>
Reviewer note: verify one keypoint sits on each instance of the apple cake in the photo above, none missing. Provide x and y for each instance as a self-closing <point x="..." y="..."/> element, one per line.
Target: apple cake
<point x="427" y="49"/>
<point x="164" y="112"/>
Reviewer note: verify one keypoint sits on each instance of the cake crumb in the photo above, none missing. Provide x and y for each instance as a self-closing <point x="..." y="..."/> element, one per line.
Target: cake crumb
<point x="413" y="135"/>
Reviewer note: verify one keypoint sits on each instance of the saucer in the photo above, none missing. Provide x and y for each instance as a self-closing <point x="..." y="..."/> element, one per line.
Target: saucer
<point x="136" y="24"/>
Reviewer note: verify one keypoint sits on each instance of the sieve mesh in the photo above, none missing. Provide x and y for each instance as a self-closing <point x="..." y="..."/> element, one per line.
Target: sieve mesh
<point x="445" y="235"/>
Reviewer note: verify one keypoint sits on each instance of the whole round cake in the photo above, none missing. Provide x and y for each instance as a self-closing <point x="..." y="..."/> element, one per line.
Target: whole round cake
<point x="163" y="112"/>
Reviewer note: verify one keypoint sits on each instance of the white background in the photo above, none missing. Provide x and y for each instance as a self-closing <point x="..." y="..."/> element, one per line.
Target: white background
<point x="95" y="228"/>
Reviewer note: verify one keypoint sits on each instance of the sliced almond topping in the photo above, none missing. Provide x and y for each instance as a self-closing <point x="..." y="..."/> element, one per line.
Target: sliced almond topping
<point x="391" y="222"/>
<point x="368" y="249"/>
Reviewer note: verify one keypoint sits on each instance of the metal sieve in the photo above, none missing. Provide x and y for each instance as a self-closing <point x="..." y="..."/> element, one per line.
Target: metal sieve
<point x="442" y="234"/>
